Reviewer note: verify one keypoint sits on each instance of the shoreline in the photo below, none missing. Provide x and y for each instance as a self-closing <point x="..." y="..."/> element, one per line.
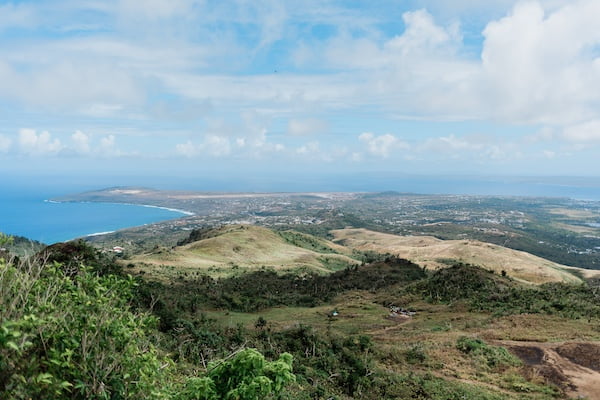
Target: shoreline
<point x="98" y="234"/>
<point x="184" y="212"/>
<point x="94" y="234"/>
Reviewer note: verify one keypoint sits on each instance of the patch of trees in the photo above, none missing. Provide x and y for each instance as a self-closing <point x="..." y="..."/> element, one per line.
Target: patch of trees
<point x="485" y="291"/>
<point x="263" y="289"/>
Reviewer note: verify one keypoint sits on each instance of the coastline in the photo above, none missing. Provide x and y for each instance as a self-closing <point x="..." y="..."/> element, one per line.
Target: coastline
<point x="184" y="213"/>
<point x="98" y="234"/>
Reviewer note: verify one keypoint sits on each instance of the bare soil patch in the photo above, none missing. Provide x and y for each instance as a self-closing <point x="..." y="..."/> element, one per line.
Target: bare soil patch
<point x="584" y="354"/>
<point x="572" y="367"/>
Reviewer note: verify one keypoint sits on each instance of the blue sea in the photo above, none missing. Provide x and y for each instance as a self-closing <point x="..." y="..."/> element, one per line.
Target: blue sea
<point x="25" y="211"/>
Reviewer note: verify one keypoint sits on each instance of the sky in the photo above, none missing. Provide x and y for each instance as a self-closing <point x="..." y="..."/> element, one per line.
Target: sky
<point x="281" y="88"/>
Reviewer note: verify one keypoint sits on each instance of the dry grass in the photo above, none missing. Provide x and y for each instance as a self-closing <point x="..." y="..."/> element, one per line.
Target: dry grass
<point x="236" y="248"/>
<point x="435" y="253"/>
<point x="540" y="328"/>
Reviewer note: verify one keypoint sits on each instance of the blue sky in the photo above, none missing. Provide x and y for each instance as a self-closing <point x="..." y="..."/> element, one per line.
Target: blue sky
<point x="239" y="88"/>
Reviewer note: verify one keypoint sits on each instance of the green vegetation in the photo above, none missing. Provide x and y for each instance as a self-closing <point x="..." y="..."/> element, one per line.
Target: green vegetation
<point x="269" y="289"/>
<point x="73" y="335"/>
<point x="77" y="327"/>
<point x="17" y="246"/>
<point x="491" y="357"/>
<point x="485" y="291"/>
<point x="306" y="241"/>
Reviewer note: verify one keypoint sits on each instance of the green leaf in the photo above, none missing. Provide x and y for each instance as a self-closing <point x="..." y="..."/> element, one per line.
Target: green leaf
<point x="12" y="345"/>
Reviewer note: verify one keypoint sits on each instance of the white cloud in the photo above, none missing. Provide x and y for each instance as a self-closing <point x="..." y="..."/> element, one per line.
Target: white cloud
<point x="154" y="9"/>
<point x="422" y="34"/>
<point x="5" y="144"/>
<point x="545" y="134"/>
<point x="450" y="144"/>
<point x="585" y="132"/>
<point x="538" y="66"/>
<point x="164" y="60"/>
<point x="81" y="142"/>
<point x="32" y="143"/>
<point x="383" y="145"/>
<point x="311" y="148"/>
<point x="187" y="149"/>
<point x="272" y="16"/>
<point x="303" y="127"/>
<point x="213" y="145"/>
<point x="217" y="146"/>
<point x="108" y="147"/>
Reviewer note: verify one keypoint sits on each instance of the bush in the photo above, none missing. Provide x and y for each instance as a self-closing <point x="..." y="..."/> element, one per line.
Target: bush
<point x="491" y="357"/>
<point x="245" y="376"/>
<point x="73" y="337"/>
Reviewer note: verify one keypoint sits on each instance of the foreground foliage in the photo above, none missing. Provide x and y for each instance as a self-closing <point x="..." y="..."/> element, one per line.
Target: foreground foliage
<point x="56" y="330"/>
<point x="74" y="336"/>
<point x="74" y="332"/>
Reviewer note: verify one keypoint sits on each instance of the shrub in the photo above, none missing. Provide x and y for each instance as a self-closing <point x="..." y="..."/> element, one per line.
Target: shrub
<point x="73" y="337"/>
<point x="489" y="356"/>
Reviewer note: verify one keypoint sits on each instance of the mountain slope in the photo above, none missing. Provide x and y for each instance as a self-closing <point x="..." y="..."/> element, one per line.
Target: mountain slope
<point x="435" y="253"/>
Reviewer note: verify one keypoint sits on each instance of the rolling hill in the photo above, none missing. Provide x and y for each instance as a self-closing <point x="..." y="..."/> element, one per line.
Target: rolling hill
<point x="434" y="253"/>
<point x="235" y="247"/>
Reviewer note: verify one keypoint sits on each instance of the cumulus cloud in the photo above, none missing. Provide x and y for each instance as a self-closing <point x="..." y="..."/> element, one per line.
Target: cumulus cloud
<point x="311" y="148"/>
<point x="5" y="144"/>
<point x="32" y="143"/>
<point x="217" y="146"/>
<point x="422" y="34"/>
<point x="81" y="142"/>
<point x="382" y="146"/>
<point x="213" y="145"/>
<point x="303" y="127"/>
<point x="187" y="149"/>
<point x="538" y="66"/>
<point x="108" y="147"/>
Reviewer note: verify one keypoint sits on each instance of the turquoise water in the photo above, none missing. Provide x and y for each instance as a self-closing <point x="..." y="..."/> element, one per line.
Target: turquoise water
<point x="24" y="211"/>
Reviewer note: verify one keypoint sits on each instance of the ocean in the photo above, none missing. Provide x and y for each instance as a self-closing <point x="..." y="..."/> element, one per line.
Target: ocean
<point x="25" y="211"/>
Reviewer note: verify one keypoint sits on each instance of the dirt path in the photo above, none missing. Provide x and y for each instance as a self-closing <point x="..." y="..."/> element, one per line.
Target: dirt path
<point x="572" y="366"/>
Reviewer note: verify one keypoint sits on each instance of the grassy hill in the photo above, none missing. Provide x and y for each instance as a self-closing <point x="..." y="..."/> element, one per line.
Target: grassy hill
<point x="234" y="248"/>
<point x="382" y="330"/>
<point x="435" y="253"/>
